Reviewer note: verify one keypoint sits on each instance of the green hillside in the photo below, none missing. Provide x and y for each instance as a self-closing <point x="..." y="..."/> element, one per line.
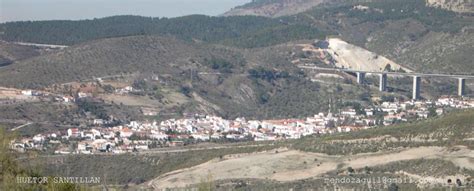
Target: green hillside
<point x="243" y="31"/>
<point x="258" y="82"/>
<point x="10" y="53"/>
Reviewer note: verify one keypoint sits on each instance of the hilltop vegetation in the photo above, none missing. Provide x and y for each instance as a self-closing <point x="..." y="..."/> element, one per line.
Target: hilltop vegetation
<point x="256" y="3"/>
<point x="242" y="31"/>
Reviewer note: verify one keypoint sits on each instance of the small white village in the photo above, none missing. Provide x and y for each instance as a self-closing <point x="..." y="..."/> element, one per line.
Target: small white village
<point x="137" y="136"/>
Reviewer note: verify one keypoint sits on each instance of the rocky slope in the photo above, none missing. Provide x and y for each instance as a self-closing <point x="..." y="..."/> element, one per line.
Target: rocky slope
<point x="341" y="54"/>
<point x="453" y="5"/>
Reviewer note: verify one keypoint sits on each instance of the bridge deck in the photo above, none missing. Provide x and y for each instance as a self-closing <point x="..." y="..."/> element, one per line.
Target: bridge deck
<point x="391" y="73"/>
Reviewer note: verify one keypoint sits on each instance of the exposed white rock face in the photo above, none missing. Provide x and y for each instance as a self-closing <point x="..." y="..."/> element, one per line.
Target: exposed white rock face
<point x="354" y="57"/>
<point x="453" y="5"/>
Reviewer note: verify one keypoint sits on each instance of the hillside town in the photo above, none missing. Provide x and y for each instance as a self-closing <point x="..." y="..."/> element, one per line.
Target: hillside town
<point x="139" y="136"/>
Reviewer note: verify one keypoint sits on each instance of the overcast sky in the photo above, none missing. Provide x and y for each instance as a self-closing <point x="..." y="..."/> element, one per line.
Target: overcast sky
<point x="22" y="10"/>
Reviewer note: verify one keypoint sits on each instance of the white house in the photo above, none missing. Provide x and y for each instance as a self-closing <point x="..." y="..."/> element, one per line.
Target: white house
<point x="27" y="92"/>
<point x="74" y="132"/>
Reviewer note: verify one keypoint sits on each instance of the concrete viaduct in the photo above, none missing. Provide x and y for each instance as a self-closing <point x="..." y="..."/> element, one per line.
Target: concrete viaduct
<point x="383" y="78"/>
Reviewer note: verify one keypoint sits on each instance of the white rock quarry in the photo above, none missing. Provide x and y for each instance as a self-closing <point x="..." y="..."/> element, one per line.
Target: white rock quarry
<point x="357" y="58"/>
<point x="453" y="5"/>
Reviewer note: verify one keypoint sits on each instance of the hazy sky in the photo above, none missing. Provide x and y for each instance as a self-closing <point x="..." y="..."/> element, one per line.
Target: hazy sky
<point x="21" y="10"/>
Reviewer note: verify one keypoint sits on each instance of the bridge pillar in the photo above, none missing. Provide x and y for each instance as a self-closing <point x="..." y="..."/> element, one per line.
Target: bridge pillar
<point x="360" y="77"/>
<point x="461" y="86"/>
<point x="383" y="82"/>
<point x="416" y="87"/>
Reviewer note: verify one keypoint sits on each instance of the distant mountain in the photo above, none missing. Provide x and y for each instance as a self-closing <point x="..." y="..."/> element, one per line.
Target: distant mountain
<point x="280" y="8"/>
<point x="274" y="8"/>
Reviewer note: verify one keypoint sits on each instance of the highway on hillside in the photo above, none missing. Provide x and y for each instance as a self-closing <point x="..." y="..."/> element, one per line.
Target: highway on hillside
<point x="390" y="73"/>
<point x="16" y="128"/>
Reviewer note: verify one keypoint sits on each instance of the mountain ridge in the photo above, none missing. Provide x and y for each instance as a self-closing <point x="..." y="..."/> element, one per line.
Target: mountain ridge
<point x="279" y="8"/>
<point x="272" y="8"/>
